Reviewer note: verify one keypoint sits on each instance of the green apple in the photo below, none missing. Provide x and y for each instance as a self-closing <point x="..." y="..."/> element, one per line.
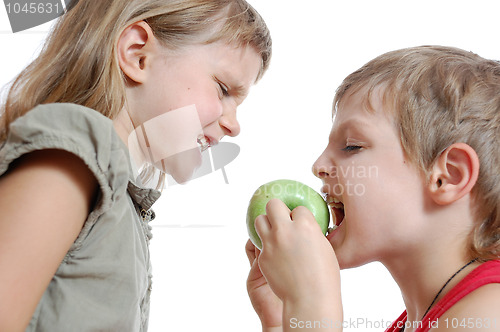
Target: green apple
<point x="293" y="194"/>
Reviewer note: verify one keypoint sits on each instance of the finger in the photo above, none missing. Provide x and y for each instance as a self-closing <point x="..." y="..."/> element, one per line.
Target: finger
<point x="254" y="275"/>
<point x="277" y="212"/>
<point x="301" y="213"/>
<point x="251" y="251"/>
<point x="303" y="216"/>
<point x="262" y="227"/>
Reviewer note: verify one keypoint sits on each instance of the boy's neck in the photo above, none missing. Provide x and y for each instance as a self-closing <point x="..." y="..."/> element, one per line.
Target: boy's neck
<point x="434" y="255"/>
<point x="420" y="278"/>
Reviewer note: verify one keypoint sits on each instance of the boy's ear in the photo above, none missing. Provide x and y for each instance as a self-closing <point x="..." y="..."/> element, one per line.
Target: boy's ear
<point x="134" y="47"/>
<point x="454" y="174"/>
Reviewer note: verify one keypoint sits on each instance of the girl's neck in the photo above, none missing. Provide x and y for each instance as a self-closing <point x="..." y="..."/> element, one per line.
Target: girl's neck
<point x="123" y="125"/>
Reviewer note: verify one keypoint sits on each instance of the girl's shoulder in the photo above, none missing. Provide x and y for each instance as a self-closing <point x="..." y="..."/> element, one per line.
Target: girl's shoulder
<point x="69" y="127"/>
<point x="76" y="129"/>
<point x="61" y="119"/>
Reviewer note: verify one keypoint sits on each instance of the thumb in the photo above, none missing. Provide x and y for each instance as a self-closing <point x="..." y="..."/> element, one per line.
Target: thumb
<point x="255" y="273"/>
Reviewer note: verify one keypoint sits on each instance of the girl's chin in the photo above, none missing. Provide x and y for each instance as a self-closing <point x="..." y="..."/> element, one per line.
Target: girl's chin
<point x="182" y="165"/>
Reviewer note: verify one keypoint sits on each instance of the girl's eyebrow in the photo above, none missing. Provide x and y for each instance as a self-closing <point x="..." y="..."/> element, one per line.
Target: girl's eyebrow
<point x="235" y="83"/>
<point x="240" y="90"/>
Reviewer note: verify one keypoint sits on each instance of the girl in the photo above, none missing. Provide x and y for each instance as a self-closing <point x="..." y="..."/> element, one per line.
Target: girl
<point x="75" y="255"/>
<point x="427" y="119"/>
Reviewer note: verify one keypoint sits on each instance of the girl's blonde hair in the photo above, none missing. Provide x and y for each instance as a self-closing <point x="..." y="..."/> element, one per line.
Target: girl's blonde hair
<point x="440" y="96"/>
<point x="79" y="64"/>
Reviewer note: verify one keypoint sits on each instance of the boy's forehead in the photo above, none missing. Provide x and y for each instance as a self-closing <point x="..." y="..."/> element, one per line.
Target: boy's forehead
<point x="362" y="109"/>
<point x="364" y="101"/>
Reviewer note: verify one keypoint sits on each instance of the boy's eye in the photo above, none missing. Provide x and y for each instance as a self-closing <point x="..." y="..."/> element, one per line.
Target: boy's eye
<point x="352" y="148"/>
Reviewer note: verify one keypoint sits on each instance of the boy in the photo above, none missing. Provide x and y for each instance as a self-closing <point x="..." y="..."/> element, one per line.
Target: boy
<point x="427" y="119"/>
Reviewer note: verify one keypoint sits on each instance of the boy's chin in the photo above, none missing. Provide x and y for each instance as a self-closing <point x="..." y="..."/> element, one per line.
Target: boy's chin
<point x="347" y="261"/>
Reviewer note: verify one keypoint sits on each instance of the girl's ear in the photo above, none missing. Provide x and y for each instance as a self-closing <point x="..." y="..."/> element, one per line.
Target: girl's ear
<point x="454" y="174"/>
<point x="134" y="49"/>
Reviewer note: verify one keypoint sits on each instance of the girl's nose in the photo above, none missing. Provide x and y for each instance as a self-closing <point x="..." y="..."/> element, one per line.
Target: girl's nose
<point x="229" y="123"/>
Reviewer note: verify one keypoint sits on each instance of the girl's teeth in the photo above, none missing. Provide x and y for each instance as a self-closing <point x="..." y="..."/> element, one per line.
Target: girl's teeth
<point x="202" y="141"/>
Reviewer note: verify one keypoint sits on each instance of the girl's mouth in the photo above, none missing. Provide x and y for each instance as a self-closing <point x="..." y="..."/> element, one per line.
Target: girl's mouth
<point x="337" y="209"/>
<point x="203" y="142"/>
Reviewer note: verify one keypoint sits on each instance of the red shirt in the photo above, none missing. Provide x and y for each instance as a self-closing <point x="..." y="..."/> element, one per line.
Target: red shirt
<point x="486" y="273"/>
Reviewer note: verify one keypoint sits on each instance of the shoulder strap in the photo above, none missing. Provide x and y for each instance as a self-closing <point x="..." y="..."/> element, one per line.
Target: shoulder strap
<point x="398" y="323"/>
<point x="486" y="273"/>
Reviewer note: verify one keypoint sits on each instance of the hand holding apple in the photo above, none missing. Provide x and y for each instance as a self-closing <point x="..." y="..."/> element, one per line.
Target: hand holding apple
<point x="266" y="304"/>
<point x="293" y="194"/>
<point x="298" y="263"/>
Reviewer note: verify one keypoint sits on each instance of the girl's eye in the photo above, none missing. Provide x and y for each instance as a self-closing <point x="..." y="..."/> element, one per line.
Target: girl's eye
<point x="224" y="90"/>
<point x="352" y="148"/>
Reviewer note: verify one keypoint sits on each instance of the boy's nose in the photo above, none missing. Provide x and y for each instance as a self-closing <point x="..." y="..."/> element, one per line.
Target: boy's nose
<point x="320" y="168"/>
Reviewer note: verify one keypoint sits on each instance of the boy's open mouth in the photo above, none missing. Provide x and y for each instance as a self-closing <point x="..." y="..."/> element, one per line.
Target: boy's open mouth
<point x="337" y="209"/>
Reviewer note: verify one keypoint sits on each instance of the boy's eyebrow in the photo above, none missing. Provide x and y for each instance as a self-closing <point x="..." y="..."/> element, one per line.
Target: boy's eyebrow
<point x="357" y="123"/>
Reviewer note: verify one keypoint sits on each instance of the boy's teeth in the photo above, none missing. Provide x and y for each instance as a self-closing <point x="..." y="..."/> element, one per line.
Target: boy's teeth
<point x="331" y="199"/>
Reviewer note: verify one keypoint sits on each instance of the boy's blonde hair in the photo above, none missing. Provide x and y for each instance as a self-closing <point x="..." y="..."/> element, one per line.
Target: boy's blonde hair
<point x="79" y="64"/>
<point x="440" y="96"/>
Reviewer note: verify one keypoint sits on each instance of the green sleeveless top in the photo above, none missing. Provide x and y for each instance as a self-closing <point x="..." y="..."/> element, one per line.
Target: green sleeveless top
<point x="104" y="281"/>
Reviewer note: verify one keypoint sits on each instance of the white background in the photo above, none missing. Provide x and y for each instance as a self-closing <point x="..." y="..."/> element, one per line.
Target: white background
<point x="198" y="253"/>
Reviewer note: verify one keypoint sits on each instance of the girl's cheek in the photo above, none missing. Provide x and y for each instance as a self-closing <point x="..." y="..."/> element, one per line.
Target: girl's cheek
<point x="210" y="112"/>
